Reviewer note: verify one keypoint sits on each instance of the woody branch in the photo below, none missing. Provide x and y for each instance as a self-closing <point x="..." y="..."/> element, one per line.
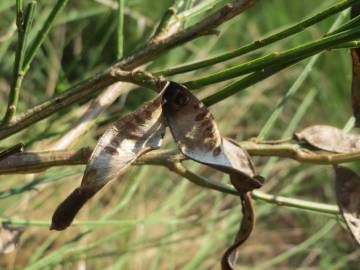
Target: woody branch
<point x="28" y="162"/>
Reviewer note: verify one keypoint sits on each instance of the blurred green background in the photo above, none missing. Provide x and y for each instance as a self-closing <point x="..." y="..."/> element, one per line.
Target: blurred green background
<point x="152" y="218"/>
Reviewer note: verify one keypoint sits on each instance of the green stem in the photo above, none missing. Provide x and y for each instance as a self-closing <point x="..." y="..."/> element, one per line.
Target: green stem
<point x="349" y="24"/>
<point x="348" y="45"/>
<point x="40" y="38"/>
<point x="19" y="13"/>
<point x="309" y="49"/>
<point x="23" y="25"/>
<point x="296" y="203"/>
<point x="255" y="77"/>
<point x="296" y="28"/>
<point x="120" y="29"/>
<point x="93" y="223"/>
<point x="242" y="84"/>
<point x="164" y="22"/>
<point x="258" y="195"/>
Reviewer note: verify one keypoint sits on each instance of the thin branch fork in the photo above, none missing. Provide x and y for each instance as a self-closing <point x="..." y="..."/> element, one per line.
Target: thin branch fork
<point x="107" y="77"/>
<point x="29" y="162"/>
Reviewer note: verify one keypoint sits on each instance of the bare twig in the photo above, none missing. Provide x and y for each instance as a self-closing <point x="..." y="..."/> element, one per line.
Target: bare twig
<point x="29" y="162"/>
<point x="34" y="161"/>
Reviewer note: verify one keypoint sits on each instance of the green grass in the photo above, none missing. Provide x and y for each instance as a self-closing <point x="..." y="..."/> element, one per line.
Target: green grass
<point x="152" y="218"/>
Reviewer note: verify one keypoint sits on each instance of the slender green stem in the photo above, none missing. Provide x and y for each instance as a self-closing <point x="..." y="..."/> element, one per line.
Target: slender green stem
<point x="94" y="223"/>
<point x="171" y="21"/>
<point x="242" y="84"/>
<point x="120" y="29"/>
<point x="264" y="73"/>
<point x="40" y="38"/>
<point x="296" y="203"/>
<point x="19" y="13"/>
<point x="23" y="22"/>
<point x="164" y="22"/>
<point x="349" y="24"/>
<point x="348" y="45"/>
<point x="296" y="28"/>
<point x="258" y="195"/>
<point x="178" y="168"/>
<point x="308" y="49"/>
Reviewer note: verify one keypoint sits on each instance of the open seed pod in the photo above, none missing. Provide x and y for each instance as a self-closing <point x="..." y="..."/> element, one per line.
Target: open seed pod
<point x="348" y="198"/>
<point x="128" y="138"/>
<point x="197" y="136"/>
<point x="329" y="138"/>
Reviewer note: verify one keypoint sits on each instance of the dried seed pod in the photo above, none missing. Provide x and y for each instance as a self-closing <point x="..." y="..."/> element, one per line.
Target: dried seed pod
<point x="348" y="198"/>
<point x="198" y="137"/>
<point x="355" y="86"/>
<point x="128" y="138"/>
<point x="246" y="227"/>
<point x="329" y="138"/>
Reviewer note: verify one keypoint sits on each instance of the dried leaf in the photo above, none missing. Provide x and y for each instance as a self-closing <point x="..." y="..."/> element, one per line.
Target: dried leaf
<point x="355" y="86"/>
<point x="198" y="137"/>
<point x="329" y="138"/>
<point x="129" y="138"/>
<point x="348" y="197"/>
<point x="9" y="238"/>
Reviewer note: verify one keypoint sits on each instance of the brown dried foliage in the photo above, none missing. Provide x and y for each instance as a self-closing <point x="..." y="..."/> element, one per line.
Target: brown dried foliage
<point x="197" y="136"/>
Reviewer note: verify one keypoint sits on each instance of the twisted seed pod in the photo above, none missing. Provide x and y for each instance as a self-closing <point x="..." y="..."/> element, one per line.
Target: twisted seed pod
<point x="198" y="137"/>
<point x="127" y="139"/>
